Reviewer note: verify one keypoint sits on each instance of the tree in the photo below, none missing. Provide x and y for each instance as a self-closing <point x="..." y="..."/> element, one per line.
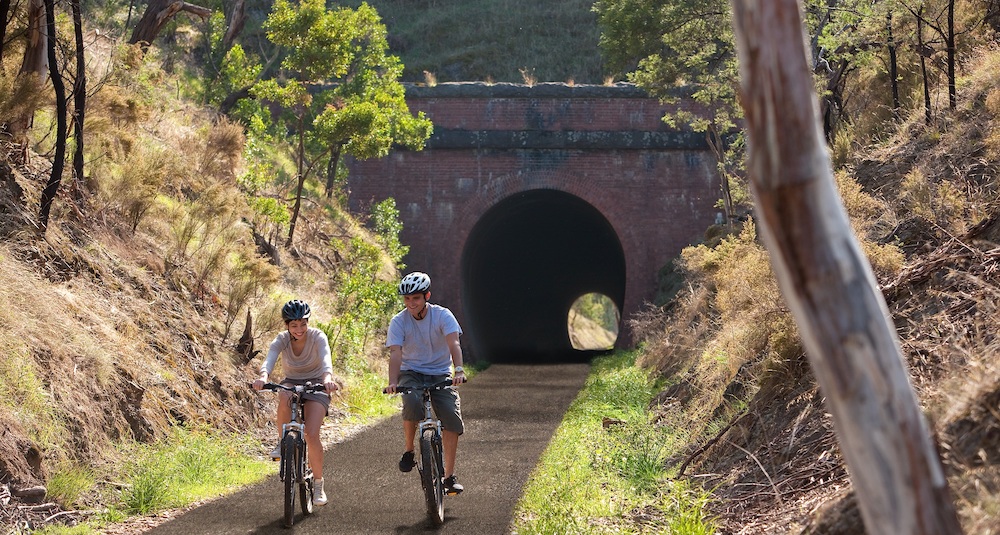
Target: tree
<point x="829" y="285"/>
<point x="79" y="92"/>
<point x="344" y="91"/>
<point x="948" y="35"/>
<point x="59" y="160"/>
<point x="368" y="113"/>
<point x="157" y="14"/>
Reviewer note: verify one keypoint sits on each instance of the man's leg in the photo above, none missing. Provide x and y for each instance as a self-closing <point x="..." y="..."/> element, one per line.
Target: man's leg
<point x="409" y="431"/>
<point x="449" y="440"/>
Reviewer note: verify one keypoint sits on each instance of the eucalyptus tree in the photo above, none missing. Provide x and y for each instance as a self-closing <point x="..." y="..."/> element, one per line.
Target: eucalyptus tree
<point x="341" y="90"/>
<point x="367" y="112"/>
<point x="675" y="48"/>
<point x="829" y="286"/>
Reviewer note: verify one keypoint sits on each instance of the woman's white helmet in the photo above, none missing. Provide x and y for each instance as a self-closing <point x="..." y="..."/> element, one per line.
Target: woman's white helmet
<point x="415" y="283"/>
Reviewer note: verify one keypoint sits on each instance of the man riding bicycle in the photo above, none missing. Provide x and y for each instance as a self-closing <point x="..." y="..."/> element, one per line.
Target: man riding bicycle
<point x="423" y="345"/>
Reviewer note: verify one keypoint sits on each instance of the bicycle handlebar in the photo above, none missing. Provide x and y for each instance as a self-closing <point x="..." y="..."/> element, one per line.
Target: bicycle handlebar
<point x="447" y="383"/>
<point x="306" y="388"/>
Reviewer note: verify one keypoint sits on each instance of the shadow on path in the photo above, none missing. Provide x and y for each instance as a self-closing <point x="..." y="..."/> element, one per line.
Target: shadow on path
<point x="510" y="413"/>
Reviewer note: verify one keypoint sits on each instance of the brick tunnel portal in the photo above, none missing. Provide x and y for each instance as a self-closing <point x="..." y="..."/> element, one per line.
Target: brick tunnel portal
<point x="525" y="263"/>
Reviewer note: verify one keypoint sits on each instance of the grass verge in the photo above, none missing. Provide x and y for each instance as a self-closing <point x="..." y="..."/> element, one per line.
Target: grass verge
<point x="190" y="465"/>
<point x="605" y="469"/>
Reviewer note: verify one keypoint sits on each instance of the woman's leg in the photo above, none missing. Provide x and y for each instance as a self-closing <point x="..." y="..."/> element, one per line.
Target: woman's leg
<point x="284" y="414"/>
<point x="315" y="412"/>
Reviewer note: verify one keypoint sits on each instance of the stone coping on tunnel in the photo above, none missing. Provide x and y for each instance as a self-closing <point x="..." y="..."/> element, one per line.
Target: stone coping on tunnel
<point x="566" y="140"/>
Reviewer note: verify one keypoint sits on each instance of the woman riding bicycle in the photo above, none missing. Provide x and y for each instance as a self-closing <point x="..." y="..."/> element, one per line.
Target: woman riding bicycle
<point x="423" y="345"/>
<point x="305" y="353"/>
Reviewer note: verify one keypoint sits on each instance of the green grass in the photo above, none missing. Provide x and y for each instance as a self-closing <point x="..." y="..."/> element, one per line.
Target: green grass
<point x="594" y="478"/>
<point x="365" y="400"/>
<point x="190" y="465"/>
<point x="463" y="40"/>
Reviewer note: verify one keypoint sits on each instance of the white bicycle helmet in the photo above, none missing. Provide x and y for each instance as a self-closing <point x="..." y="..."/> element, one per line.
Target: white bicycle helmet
<point x="415" y="283"/>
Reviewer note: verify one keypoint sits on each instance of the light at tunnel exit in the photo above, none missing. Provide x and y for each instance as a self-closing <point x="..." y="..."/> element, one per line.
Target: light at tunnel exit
<point x="593" y="322"/>
<point x="525" y="263"/>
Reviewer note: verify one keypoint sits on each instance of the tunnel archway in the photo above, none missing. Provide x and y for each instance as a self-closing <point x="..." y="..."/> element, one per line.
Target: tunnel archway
<point x="525" y="262"/>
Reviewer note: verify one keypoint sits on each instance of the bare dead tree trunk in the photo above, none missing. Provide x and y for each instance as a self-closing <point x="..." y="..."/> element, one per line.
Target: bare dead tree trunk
<point x="237" y="19"/>
<point x="157" y="14"/>
<point x="4" y="10"/>
<point x="79" y="94"/>
<point x="893" y="64"/>
<point x="829" y="285"/>
<point x="950" y="39"/>
<point x="36" y="48"/>
<point x="924" y="51"/>
<point x="59" y="160"/>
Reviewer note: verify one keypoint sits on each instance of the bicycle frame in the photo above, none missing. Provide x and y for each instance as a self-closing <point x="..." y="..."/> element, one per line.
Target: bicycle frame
<point x="294" y="462"/>
<point x="431" y="459"/>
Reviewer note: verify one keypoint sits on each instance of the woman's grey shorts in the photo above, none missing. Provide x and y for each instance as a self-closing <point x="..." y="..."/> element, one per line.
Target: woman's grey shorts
<point x="446" y="402"/>
<point x="320" y="397"/>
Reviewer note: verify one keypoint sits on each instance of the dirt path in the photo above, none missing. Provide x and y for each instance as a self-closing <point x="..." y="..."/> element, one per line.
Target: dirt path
<point x="510" y="413"/>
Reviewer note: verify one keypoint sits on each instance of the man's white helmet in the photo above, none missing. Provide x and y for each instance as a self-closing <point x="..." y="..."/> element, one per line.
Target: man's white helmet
<point x="415" y="283"/>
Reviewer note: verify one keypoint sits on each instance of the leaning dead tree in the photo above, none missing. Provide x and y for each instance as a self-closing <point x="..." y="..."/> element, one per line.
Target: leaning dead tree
<point x="157" y="14"/>
<point x="829" y="285"/>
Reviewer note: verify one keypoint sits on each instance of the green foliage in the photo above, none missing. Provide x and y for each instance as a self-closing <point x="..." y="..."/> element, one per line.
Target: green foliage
<point x="598" y="308"/>
<point x="189" y="465"/>
<point x="365" y="400"/>
<point x="592" y="475"/>
<point x="385" y="217"/>
<point x="363" y="306"/>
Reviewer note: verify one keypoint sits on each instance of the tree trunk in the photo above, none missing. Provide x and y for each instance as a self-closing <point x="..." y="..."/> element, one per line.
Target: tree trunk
<point x="828" y="284"/>
<point x="59" y="160"/>
<point x="952" y="88"/>
<point x="34" y="61"/>
<point x="157" y="14"/>
<point x="79" y="95"/>
<point x="331" y="170"/>
<point x="301" y="182"/>
<point x="237" y="19"/>
<point x="4" y="10"/>
<point x="923" y="51"/>
<point x="893" y="64"/>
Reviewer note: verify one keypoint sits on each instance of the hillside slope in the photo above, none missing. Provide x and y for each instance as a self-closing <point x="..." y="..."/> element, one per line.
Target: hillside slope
<point x="768" y="451"/>
<point x="483" y="40"/>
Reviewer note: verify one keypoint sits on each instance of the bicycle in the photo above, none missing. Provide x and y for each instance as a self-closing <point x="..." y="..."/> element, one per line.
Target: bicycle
<point x="431" y="460"/>
<point x="294" y="468"/>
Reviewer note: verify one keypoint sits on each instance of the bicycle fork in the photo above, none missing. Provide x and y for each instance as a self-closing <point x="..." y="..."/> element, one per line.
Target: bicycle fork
<point x="297" y="431"/>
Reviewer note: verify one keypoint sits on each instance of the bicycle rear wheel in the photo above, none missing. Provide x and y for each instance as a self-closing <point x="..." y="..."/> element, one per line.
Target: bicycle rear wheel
<point x="431" y="476"/>
<point x="288" y="476"/>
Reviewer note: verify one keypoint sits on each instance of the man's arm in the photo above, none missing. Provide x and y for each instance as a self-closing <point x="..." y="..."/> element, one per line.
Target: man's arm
<point x="395" y="362"/>
<point x="455" y="348"/>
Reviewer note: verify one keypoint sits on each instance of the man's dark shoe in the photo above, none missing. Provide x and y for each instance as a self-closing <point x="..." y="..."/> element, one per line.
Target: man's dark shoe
<point x="406" y="463"/>
<point x="452" y="487"/>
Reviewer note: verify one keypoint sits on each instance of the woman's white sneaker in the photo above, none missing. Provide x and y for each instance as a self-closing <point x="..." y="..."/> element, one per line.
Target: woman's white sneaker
<point x="319" y="496"/>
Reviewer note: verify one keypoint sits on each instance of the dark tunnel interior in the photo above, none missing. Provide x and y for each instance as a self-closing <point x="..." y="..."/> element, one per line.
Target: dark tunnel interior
<point x="525" y="263"/>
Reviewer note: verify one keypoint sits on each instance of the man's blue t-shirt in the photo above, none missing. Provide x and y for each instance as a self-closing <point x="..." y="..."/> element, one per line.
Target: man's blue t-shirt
<point x="425" y="348"/>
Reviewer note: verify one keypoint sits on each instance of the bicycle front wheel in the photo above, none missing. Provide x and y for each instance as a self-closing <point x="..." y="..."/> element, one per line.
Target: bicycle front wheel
<point x="289" y="475"/>
<point x="306" y="483"/>
<point x="431" y="476"/>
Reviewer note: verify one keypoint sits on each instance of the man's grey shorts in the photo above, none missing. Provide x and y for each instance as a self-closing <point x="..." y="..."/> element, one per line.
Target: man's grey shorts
<point x="446" y="402"/>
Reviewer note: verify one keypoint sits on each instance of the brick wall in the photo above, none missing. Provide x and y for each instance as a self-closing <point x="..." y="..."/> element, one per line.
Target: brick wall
<point x="606" y="145"/>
